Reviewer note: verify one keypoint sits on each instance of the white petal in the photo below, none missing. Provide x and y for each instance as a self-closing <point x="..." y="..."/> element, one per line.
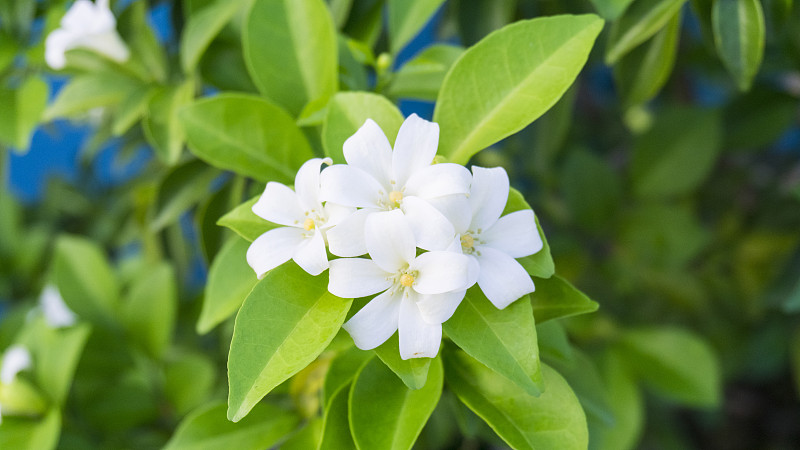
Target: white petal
<point x="306" y="184"/>
<point x="418" y="339"/>
<point x="432" y="230"/>
<point x="438" y="180"/>
<point x="488" y="196"/>
<point x="347" y="238"/>
<point x="84" y="16"/>
<point x="390" y="241"/>
<point x="336" y="214"/>
<point x="414" y="148"/>
<point x="273" y="248"/>
<point x="515" y="234"/>
<point x="350" y="186"/>
<point x="56" y="45"/>
<point x="56" y="313"/>
<point x="502" y="279"/>
<point x="456" y="209"/>
<point x="376" y="321"/>
<point x="107" y="43"/>
<point x="279" y="204"/>
<point x="311" y="256"/>
<point x="440" y="272"/>
<point x="357" y="277"/>
<point x="369" y="150"/>
<point x="437" y="308"/>
<point x="16" y="359"/>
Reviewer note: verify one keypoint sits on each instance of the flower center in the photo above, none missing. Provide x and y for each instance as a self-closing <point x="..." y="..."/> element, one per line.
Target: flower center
<point x="467" y="242"/>
<point x="396" y="197"/>
<point x="406" y="280"/>
<point x="309" y="224"/>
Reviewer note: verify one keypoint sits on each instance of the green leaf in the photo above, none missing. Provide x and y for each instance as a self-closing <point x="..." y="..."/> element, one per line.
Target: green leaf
<point x="161" y="126"/>
<point x="406" y="19"/>
<point x="413" y="371"/>
<point x="556" y="297"/>
<point x="230" y="280"/>
<point x="540" y="264"/>
<point x="149" y="308"/>
<point x="57" y="352"/>
<point x="148" y="56"/>
<point x="504" y="82"/>
<point x="22" y="108"/>
<point x="675" y="363"/>
<point x="202" y="27"/>
<point x="502" y="339"/>
<point x="638" y="23"/>
<point x="386" y="414"/>
<point x="626" y="403"/>
<point x="307" y="437"/>
<point x="93" y="90"/>
<point x="208" y="428"/>
<point x="739" y="33"/>
<point x="643" y="72"/>
<point x="422" y="77"/>
<point x="342" y="370"/>
<point x="347" y="112"/>
<point x="85" y="279"/>
<point x="247" y="135"/>
<point x="284" y="324"/>
<point x="335" y="424"/>
<point x="610" y="9"/>
<point x="583" y="376"/>
<point x="592" y="190"/>
<point x="677" y="153"/>
<point x="290" y="50"/>
<point x="180" y="190"/>
<point x="131" y="109"/>
<point x="189" y="379"/>
<point x="553" y="341"/>
<point x="552" y="420"/>
<point x="245" y="222"/>
<point x="26" y="434"/>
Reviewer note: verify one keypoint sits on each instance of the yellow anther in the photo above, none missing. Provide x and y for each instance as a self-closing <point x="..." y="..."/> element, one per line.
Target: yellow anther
<point x="308" y="224"/>
<point x="467" y="241"/>
<point x="406" y="280"/>
<point x="396" y="197"/>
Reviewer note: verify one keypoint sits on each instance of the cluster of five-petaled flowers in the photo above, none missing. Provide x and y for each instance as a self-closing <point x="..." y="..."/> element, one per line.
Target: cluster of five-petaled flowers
<point x="386" y="204"/>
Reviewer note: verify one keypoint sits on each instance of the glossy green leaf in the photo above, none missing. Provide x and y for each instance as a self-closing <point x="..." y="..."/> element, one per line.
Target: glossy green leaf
<point x="202" y="27"/>
<point x="342" y="370"/>
<point x="85" y="92"/>
<point x="502" y="339"/>
<point x="413" y="371"/>
<point x="230" y="280"/>
<point x="406" y="19"/>
<point x="245" y="222"/>
<point x="26" y="434"/>
<point x="161" y="125"/>
<point x="347" y="112"/>
<point x="208" y="428"/>
<point x="22" y="108"/>
<point x="180" y="190"/>
<point x="148" y="56"/>
<point x="739" y="33"/>
<point x="553" y="341"/>
<point x="583" y="376"/>
<point x="556" y="297"/>
<point x="643" y="72"/>
<point x="150" y="306"/>
<point x="131" y="109"/>
<point x="307" y="437"/>
<point x="57" y="353"/>
<point x="540" y="264"/>
<point x="641" y="20"/>
<point x="85" y="279"/>
<point x="384" y="413"/>
<point x="552" y="420"/>
<point x="247" y="135"/>
<point x="284" y="324"/>
<point x="336" y="426"/>
<point x="290" y="50"/>
<point x="675" y="363"/>
<point x="677" y="153"/>
<point x="627" y="406"/>
<point x="422" y="77"/>
<point x="504" y="82"/>
<point x="189" y="380"/>
<point x="610" y="9"/>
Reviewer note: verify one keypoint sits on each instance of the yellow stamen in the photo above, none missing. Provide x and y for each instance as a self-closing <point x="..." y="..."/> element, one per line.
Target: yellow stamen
<point x="308" y="224"/>
<point x="467" y="241"/>
<point x="406" y="280"/>
<point x="396" y="197"/>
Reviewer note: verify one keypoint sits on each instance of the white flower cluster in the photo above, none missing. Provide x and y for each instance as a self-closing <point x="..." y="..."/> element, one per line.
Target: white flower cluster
<point x="390" y="204"/>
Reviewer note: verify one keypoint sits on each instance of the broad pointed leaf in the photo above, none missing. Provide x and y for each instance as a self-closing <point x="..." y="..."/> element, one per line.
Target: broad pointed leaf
<point x="556" y="297"/>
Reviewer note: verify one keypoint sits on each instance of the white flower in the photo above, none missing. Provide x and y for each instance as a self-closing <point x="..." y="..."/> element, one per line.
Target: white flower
<point x="305" y="218"/>
<point x="56" y="313"/>
<point x="376" y="178"/>
<point x="418" y="292"/>
<point x="493" y="241"/>
<point x="15" y="360"/>
<point x="86" y="25"/>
